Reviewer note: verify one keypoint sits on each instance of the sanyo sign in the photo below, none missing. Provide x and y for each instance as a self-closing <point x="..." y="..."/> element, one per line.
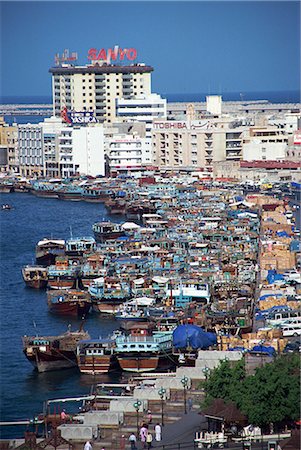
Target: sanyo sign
<point x="112" y="54"/>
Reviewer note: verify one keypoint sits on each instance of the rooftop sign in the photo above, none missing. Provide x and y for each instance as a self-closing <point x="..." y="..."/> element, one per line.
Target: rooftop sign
<point x="112" y="54"/>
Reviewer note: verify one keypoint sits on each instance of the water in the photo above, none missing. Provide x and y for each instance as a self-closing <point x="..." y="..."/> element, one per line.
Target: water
<point x="23" y="390"/>
<point x="271" y="96"/>
<point x="288" y="96"/>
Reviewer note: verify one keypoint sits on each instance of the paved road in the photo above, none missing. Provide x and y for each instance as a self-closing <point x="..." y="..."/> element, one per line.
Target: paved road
<point x="179" y="434"/>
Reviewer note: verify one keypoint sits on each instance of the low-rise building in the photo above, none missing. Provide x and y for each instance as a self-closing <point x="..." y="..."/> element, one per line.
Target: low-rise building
<point x="9" y="147"/>
<point x="265" y="143"/>
<point x="31" y="154"/>
<point x="127" y="153"/>
<point x="258" y="171"/>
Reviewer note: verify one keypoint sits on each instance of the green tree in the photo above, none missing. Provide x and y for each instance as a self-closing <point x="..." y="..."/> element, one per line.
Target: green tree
<point x="271" y="395"/>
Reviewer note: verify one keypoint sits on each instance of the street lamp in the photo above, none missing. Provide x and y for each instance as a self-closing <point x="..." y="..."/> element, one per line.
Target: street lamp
<point x="206" y="371"/>
<point x="184" y="381"/>
<point x="137" y="405"/>
<point x="162" y="393"/>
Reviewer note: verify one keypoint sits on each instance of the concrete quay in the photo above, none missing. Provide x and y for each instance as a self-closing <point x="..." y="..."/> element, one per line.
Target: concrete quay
<point x="106" y="427"/>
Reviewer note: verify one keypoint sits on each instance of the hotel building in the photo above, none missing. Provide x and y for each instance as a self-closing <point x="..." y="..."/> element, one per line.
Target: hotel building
<point x="96" y="87"/>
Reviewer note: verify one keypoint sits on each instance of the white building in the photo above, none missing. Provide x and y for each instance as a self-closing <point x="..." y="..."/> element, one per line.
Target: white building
<point x="52" y="128"/>
<point x="259" y="151"/>
<point x="214" y="104"/>
<point x="31" y="155"/>
<point x="127" y="153"/>
<point x="265" y="143"/>
<point x="287" y="122"/>
<point x="81" y="151"/>
<point x="143" y="108"/>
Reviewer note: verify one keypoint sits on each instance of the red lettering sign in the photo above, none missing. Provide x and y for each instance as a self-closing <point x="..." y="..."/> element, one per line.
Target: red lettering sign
<point x="92" y="54"/>
<point x="131" y="54"/>
<point x="122" y="54"/>
<point x="112" y="54"/>
<point x="102" y="54"/>
<point x="170" y="125"/>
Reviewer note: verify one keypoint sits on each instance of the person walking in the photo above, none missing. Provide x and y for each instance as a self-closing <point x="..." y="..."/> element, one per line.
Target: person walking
<point x="88" y="446"/>
<point x="122" y="442"/>
<point x="158" y="431"/>
<point x="133" y="441"/>
<point x="149" y="439"/>
<point x="143" y="434"/>
<point x="149" y="416"/>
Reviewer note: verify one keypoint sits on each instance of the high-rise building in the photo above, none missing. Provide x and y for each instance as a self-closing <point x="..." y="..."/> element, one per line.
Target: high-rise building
<point x="95" y="87"/>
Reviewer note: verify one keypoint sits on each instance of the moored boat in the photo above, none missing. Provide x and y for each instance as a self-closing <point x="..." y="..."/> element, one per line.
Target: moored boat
<point x="48" y="249"/>
<point x="72" y="193"/>
<point x="62" y="275"/>
<point x="106" y="231"/>
<point x="71" y="302"/>
<point x="141" y="352"/>
<point x="108" y="296"/>
<point x="96" y="356"/>
<point x="35" y="276"/>
<point x="79" y="246"/>
<point x="45" y="190"/>
<point x="48" y="353"/>
<point x="6" y="187"/>
<point x="92" y="269"/>
<point x="94" y="194"/>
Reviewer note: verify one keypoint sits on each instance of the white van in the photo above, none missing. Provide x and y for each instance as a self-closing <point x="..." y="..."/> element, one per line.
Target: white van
<point x="291" y="330"/>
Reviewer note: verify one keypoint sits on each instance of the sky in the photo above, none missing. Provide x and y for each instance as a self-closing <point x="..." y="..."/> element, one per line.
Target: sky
<point x="194" y="47"/>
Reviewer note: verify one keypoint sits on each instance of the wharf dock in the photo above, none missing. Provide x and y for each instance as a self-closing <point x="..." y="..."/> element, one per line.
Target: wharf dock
<point x="213" y="257"/>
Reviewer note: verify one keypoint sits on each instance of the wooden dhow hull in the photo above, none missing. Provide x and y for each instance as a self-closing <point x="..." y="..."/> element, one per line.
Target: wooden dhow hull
<point x="96" y="365"/>
<point x="143" y="362"/>
<point x="50" y="360"/>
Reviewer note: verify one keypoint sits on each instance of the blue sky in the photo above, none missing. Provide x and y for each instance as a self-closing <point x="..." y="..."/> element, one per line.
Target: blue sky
<point x="206" y="47"/>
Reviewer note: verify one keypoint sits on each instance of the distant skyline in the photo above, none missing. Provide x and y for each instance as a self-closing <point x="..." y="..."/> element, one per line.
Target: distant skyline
<point x="205" y="47"/>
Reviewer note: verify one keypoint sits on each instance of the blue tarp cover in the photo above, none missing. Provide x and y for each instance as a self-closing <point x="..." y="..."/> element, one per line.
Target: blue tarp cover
<point x="295" y="246"/>
<point x="264" y="349"/>
<point x="192" y="336"/>
<point x="239" y="349"/>
<point x="282" y="234"/>
<point x="274" y="276"/>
